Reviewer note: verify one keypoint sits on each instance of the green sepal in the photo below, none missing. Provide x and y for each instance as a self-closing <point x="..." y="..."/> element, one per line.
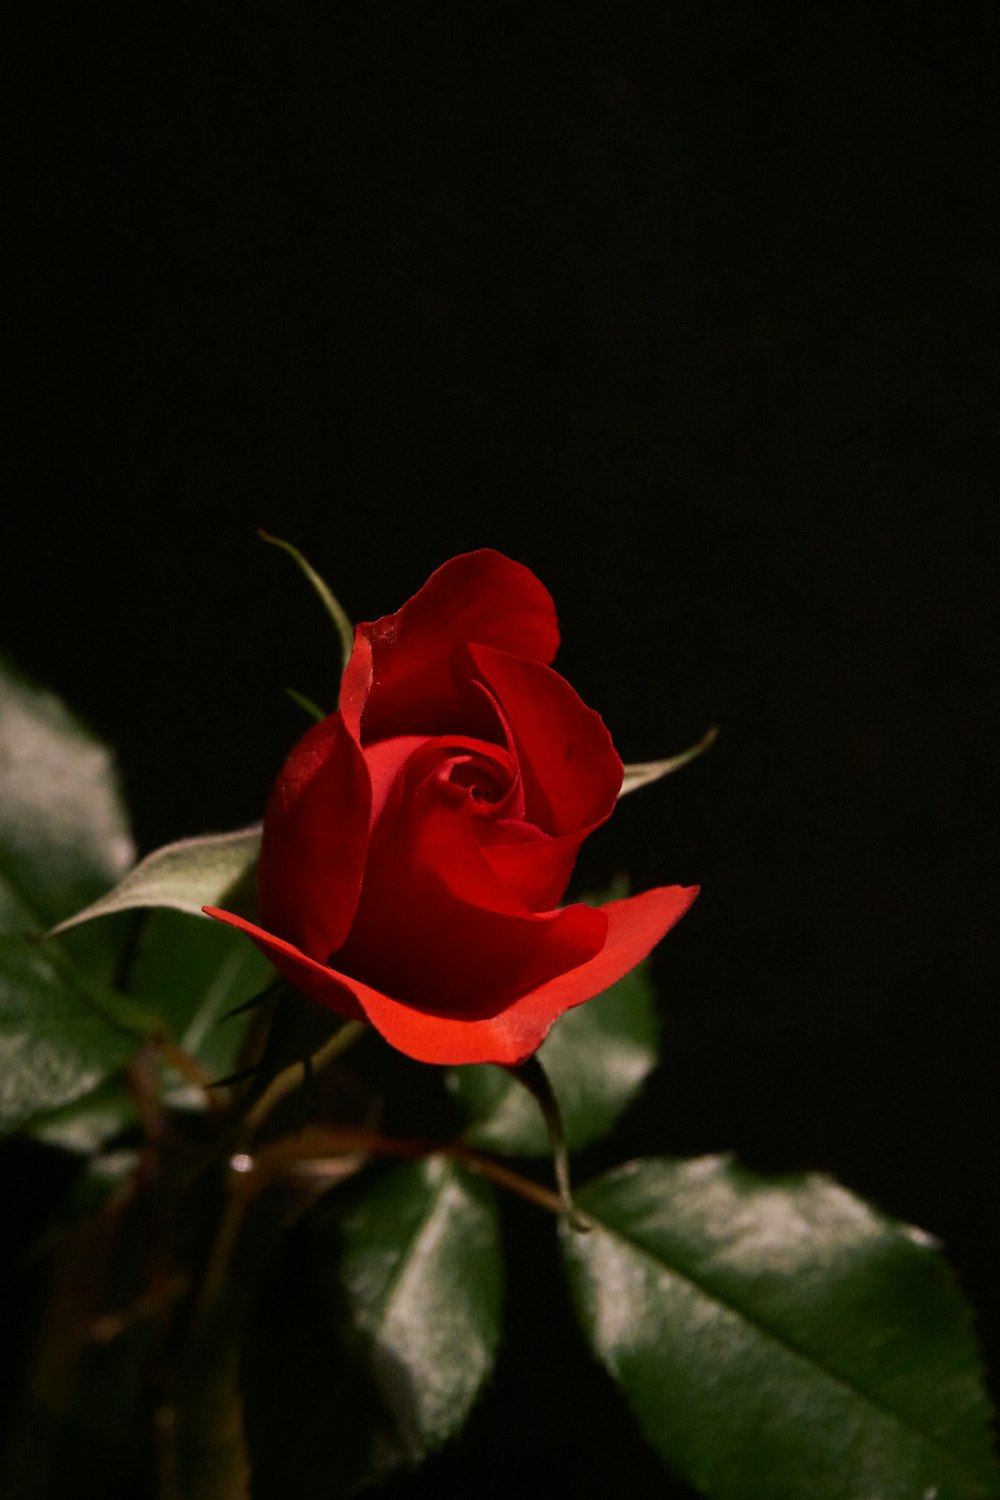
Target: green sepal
<point x="644" y="773"/>
<point x="214" y="869"/>
<point x="306" y="704"/>
<point x="329" y="601"/>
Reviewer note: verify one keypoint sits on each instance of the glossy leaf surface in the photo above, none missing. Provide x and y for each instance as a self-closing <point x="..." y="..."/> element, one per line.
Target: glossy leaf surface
<point x="597" y="1057"/>
<point x="778" y="1339"/>
<point x="373" y="1348"/>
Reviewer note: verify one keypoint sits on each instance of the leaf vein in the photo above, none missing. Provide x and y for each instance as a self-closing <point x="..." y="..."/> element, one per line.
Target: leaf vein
<point x="791" y="1347"/>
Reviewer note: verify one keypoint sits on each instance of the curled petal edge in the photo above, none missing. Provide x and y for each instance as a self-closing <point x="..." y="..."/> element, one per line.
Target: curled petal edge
<point x="399" y="663"/>
<point x="635" y="925"/>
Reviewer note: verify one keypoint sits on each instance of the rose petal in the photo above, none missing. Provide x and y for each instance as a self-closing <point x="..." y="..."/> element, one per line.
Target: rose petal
<point x="570" y="769"/>
<point x="529" y="860"/>
<point x="400" y="678"/>
<point x="315" y="980"/>
<point x="315" y="839"/>
<point x="436" y="926"/>
<point x="537" y="868"/>
<point x="635" y="926"/>
<point x="388" y="760"/>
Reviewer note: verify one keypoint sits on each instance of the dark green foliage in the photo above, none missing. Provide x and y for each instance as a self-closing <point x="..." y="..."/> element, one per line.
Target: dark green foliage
<point x="781" y="1338"/>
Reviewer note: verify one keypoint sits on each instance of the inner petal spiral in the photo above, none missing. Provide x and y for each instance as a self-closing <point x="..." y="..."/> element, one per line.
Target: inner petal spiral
<point x="484" y="779"/>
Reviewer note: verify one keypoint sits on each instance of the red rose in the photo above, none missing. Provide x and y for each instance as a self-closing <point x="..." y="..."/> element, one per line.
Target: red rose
<point x="418" y="841"/>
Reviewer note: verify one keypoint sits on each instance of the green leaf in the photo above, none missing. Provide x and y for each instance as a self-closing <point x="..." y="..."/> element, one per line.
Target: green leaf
<point x="377" y="1342"/>
<point x="85" y="1125"/>
<point x="778" y="1339"/>
<point x="645" y="772"/>
<point x="64" y="835"/>
<point x="193" y="973"/>
<point x="187" y="974"/>
<point x="419" y="1275"/>
<point x="211" y="870"/>
<point x="59" y="1037"/>
<point x="597" y="1058"/>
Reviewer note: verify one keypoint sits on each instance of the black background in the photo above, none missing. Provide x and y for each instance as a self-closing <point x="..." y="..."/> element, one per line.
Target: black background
<point x="691" y="308"/>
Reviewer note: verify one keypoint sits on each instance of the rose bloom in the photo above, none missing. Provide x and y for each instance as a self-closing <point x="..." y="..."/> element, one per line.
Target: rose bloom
<point x="418" y="841"/>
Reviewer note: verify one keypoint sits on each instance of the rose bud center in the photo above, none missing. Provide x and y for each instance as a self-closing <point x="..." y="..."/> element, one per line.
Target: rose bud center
<point x="484" y="780"/>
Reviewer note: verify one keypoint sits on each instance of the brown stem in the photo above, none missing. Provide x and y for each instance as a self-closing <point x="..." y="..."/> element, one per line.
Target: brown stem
<point x="290" y="1078"/>
<point x="291" y="1155"/>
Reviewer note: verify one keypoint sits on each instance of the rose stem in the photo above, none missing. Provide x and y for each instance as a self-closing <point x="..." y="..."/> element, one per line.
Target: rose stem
<point x="253" y="1174"/>
<point x="289" y="1078"/>
<point x="533" y="1076"/>
<point x="281" y="1085"/>
<point x="318" y="1144"/>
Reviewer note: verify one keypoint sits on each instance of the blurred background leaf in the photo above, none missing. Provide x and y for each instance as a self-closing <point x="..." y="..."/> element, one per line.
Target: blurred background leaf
<point x="194" y="972"/>
<point x="64" y="833"/>
<point x="60" y="1036"/>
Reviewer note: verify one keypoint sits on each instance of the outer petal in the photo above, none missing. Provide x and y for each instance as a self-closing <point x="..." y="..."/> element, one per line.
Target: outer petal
<point x="315" y="840"/>
<point x="635" y="926"/>
<point x="313" y="979"/>
<point x="399" y="678"/>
